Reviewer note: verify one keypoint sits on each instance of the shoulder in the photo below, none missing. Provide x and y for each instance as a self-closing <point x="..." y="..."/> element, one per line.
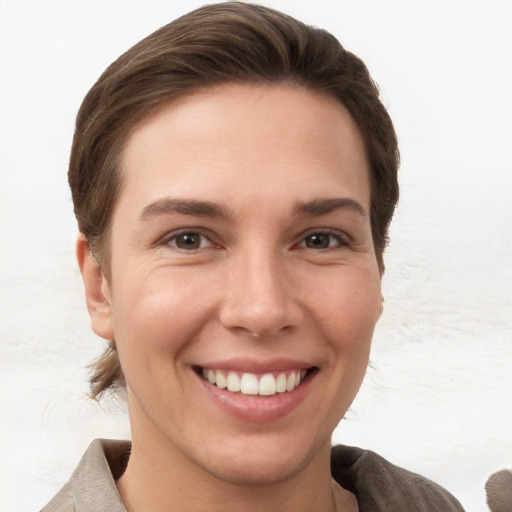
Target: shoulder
<point x="92" y="487"/>
<point x="381" y="486"/>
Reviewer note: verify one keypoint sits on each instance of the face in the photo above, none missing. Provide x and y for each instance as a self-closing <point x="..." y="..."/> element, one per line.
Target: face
<point x="244" y="286"/>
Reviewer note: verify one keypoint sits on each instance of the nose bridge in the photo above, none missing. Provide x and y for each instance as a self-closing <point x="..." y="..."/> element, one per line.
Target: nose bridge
<point x="259" y="298"/>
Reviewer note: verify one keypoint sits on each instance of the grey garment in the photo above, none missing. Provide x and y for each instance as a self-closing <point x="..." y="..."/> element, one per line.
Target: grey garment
<point x="92" y="486"/>
<point x="499" y="491"/>
<point x="378" y="485"/>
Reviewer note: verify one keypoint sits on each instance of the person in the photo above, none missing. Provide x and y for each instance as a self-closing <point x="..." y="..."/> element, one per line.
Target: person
<point x="233" y="176"/>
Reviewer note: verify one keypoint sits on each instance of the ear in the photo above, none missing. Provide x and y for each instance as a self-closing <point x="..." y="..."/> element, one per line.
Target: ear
<point x="97" y="290"/>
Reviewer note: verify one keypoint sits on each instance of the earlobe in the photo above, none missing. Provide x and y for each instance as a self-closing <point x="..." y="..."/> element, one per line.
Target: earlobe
<point x="97" y="290"/>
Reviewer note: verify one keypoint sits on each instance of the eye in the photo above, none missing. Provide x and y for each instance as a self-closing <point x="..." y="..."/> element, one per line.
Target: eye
<point x="324" y="240"/>
<point x="189" y="241"/>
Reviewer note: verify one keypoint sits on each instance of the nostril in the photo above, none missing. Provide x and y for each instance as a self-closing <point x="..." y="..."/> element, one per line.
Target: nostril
<point x="262" y="333"/>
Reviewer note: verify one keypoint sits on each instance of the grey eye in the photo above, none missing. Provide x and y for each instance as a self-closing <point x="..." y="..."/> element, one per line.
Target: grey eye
<point x="188" y="241"/>
<point x="319" y="241"/>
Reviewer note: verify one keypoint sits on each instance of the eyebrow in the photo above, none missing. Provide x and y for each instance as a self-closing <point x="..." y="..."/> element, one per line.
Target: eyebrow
<point x="169" y="205"/>
<point x="311" y="208"/>
<point x="323" y="206"/>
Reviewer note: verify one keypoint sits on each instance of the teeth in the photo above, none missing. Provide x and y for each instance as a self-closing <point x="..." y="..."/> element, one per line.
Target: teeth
<point x="249" y="384"/>
<point x="268" y="385"/>
<point x="281" y="383"/>
<point x="290" y="382"/>
<point x="233" y="382"/>
<point x="220" y="380"/>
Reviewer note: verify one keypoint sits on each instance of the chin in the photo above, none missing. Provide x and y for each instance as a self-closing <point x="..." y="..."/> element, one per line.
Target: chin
<point x="263" y="461"/>
<point x="259" y="472"/>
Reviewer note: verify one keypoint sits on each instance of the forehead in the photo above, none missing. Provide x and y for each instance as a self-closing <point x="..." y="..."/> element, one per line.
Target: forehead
<point x="249" y="139"/>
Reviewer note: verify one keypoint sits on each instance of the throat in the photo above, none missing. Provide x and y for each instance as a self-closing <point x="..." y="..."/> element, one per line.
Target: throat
<point x="147" y="485"/>
<point x="344" y="501"/>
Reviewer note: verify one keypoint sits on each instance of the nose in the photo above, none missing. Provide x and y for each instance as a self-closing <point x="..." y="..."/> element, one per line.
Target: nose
<point x="261" y="298"/>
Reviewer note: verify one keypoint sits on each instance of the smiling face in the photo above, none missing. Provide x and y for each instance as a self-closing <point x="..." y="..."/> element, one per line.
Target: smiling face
<point x="241" y="257"/>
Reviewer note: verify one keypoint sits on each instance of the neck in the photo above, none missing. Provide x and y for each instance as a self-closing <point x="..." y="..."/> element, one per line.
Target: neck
<point x="160" y="478"/>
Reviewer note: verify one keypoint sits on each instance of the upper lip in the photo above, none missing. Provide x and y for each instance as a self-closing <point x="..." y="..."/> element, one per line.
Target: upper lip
<point x="257" y="366"/>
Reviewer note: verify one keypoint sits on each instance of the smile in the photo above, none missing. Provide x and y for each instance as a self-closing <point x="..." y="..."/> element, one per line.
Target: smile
<point x="266" y="384"/>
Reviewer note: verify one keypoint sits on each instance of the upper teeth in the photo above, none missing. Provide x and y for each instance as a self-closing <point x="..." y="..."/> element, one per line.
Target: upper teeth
<point x="250" y="384"/>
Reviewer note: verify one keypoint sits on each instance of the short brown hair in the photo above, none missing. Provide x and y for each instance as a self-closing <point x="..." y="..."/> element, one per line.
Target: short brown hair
<point x="217" y="44"/>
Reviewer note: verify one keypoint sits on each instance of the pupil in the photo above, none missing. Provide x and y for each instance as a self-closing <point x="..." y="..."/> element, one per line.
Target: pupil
<point x="188" y="241"/>
<point x="318" y="241"/>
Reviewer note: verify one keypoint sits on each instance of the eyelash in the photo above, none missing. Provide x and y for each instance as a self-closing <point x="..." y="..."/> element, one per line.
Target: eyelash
<point x="340" y="238"/>
<point x="173" y="237"/>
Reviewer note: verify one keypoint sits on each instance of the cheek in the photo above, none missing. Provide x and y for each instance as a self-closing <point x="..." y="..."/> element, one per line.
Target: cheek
<point x="348" y="307"/>
<point x="158" y="314"/>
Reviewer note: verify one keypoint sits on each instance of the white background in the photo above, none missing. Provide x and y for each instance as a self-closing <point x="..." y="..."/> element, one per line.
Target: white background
<point x="438" y="398"/>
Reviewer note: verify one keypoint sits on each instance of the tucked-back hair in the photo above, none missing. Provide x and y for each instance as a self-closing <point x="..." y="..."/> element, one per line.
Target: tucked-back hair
<point x="217" y="44"/>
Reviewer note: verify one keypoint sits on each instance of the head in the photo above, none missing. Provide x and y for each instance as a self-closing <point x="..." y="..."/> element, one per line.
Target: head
<point x="232" y="43"/>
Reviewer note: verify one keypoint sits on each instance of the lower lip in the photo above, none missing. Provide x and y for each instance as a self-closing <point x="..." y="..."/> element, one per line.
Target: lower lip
<point x="258" y="409"/>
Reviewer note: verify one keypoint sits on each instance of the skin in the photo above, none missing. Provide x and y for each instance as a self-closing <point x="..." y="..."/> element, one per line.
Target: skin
<point x="279" y="274"/>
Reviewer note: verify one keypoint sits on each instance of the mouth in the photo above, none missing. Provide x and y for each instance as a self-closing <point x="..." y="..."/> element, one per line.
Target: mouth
<point x="255" y="384"/>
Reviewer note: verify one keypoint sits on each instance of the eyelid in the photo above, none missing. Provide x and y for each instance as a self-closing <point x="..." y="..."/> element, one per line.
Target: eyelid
<point x="344" y="238"/>
<point x="169" y="237"/>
